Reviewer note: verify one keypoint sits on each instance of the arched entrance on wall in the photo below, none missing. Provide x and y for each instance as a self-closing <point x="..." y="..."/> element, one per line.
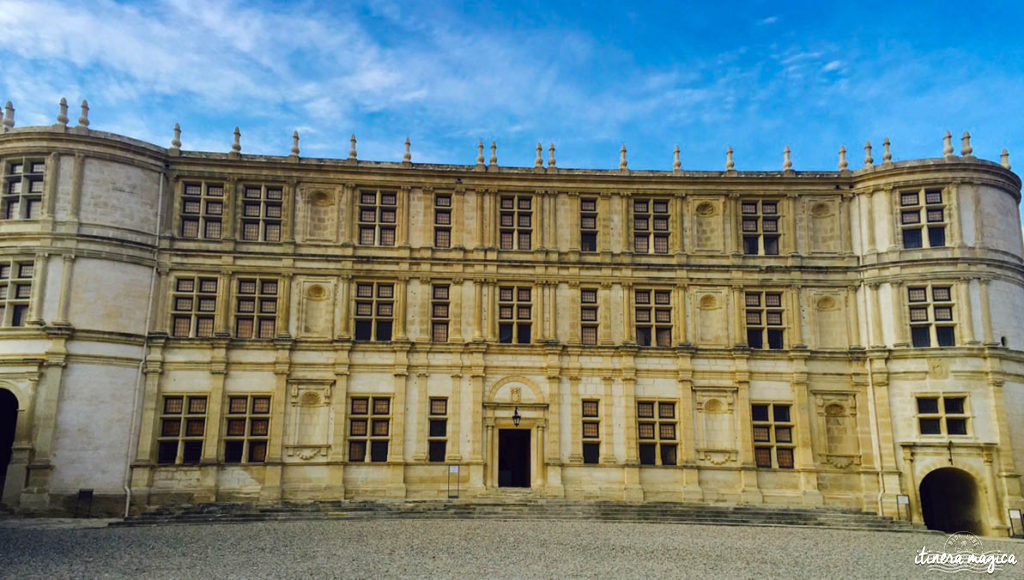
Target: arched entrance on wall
<point x="950" y="502"/>
<point x="8" y="420"/>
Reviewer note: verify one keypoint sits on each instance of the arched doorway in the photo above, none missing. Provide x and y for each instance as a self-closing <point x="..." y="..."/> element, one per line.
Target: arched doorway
<point x="950" y="502"/>
<point x="8" y="420"/>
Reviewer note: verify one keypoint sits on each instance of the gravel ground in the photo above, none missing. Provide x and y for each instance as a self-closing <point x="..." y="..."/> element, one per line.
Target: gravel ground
<point x="462" y="549"/>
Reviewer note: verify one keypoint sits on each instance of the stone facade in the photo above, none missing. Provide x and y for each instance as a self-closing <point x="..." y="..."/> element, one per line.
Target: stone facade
<point x="201" y="326"/>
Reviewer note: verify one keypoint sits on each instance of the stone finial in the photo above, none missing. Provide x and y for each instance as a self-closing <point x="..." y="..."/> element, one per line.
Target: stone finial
<point x="729" y="165"/>
<point x="494" y="153"/>
<point x="787" y="163"/>
<point x="407" y="157"/>
<point x="352" y="147"/>
<point x="551" y="156"/>
<point x="176" y="141"/>
<point x="236" y="147"/>
<point x="869" y="161"/>
<point x="886" y="153"/>
<point x="622" y="158"/>
<point x="965" y="149"/>
<point x="947" y="145"/>
<point x="9" y="115"/>
<point x="480" y="153"/>
<point x="83" y="120"/>
<point x="843" y="165"/>
<point x="62" y="114"/>
<point x="676" y="163"/>
<point x="295" y="144"/>
<point x="538" y="161"/>
<point x="1004" y="159"/>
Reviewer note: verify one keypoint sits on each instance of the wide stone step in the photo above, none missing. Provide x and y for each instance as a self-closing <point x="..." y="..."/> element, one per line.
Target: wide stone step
<point x="519" y="509"/>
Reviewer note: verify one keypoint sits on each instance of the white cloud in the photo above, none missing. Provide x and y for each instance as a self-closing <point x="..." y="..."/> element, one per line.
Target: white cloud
<point x="768" y="20"/>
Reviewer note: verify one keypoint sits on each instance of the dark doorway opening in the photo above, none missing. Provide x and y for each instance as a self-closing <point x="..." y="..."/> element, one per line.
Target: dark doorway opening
<point x="513" y="458"/>
<point x="8" y="419"/>
<point x="949" y="501"/>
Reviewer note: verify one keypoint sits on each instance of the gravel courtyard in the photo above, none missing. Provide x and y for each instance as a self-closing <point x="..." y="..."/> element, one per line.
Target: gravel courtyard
<point x="462" y="549"/>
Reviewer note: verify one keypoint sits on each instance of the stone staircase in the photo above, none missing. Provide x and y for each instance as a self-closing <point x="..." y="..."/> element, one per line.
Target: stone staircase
<point x="516" y="509"/>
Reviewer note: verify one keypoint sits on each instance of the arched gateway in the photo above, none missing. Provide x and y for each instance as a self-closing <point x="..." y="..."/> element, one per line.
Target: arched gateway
<point x="8" y="422"/>
<point x="950" y="502"/>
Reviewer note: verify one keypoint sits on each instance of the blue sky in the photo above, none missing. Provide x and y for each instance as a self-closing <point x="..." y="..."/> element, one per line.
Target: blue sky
<point x="588" y="76"/>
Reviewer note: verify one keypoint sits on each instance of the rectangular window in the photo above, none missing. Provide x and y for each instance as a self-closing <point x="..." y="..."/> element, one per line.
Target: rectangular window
<point x="591" y="431"/>
<point x="193" y="306"/>
<point x="515" y="222"/>
<point x="653" y="317"/>
<point x="369" y="429"/>
<point x="247" y="429"/>
<point x="650" y="226"/>
<point x="588" y="224"/>
<point x="437" y="438"/>
<point x="515" y="314"/>
<point x="202" y="210"/>
<point x="256" y="308"/>
<point x="442" y="221"/>
<point x="375" y="311"/>
<point x="182" y="427"/>
<point x="759" y="225"/>
<point x="764" y="319"/>
<point x="23" y="189"/>
<point x="439" y="313"/>
<point x="656" y="432"/>
<point x="262" y="212"/>
<point x="773" y="435"/>
<point x="15" y="291"/>
<point x="942" y="415"/>
<point x="378" y="217"/>
<point x="588" y="316"/>
<point x="923" y="218"/>
<point x="931" y="316"/>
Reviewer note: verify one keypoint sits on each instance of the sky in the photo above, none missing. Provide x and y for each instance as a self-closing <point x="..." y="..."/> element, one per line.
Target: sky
<point x="586" y="76"/>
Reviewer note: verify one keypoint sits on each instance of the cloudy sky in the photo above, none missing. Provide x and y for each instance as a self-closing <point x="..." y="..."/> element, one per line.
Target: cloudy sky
<point x="588" y="76"/>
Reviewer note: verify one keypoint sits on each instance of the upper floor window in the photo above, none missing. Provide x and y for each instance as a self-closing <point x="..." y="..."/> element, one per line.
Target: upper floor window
<point x="760" y="227"/>
<point x="262" y="211"/>
<point x="931" y="315"/>
<point x="764" y="319"/>
<point x="202" y="210"/>
<point x="23" y="189"/>
<point x="442" y="221"/>
<point x="656" y="433"/>
<point x="516" y="222"/>
<point x="650" y="226"/>
<point x="439" y="306"/>
<point x="945" y="415"/>
<point x="515" y="314"/>
<point x="773" y="435"/>
<point x="588" y="315"/>
<point x="15" y="292"/>
<point x="588" y="224"/>
<point x="375" y="311"/>
<point x="653" y="317"/>
<point x="378" y="216"/>
<point x="193" y="306"/>
<point x="256" y="308"/>
<point x="921" y="222"/>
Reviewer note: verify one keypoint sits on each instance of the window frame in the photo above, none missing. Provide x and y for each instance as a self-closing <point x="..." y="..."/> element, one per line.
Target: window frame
<point x="16" y="291"/>
<point x="662" y="445"/>
<point x="259" y="297"/>
<point x="440" y="320"/>
<point x="182" y="439"/>
<point x="27" y="202"/>
<point x="589" y="316"/>
<point x="772" y="444"/>
<point x="942" y="416"/>
<point x="511" y="231"/>
<point x="194" y="315"/>
<point x="769" y="333"/>
<point x="381" y="324"/>
<point x="437" y="444"/>
<point x="443" y="225"/>
<point x="590" y="445"/>
<point x="920" y="211"/>
<point x="651" y="330"/>
<point x="253" y="448"/>
<point x="589" y="234"/>
<point x="931" y="307"/>
<point x="204" y="217"/>
<point x="370" y="419"/>
<point x="754" y="230"/>
<point x="651" y="239"/>
<point x="268" y="201"/>
<point x="515" y="323"/>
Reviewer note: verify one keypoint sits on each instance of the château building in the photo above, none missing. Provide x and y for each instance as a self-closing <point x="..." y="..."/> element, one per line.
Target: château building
<point x="182" y="326"/>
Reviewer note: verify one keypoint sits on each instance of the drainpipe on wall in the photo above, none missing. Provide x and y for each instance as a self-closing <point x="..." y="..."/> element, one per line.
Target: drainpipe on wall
<point x="140" y="382"/>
